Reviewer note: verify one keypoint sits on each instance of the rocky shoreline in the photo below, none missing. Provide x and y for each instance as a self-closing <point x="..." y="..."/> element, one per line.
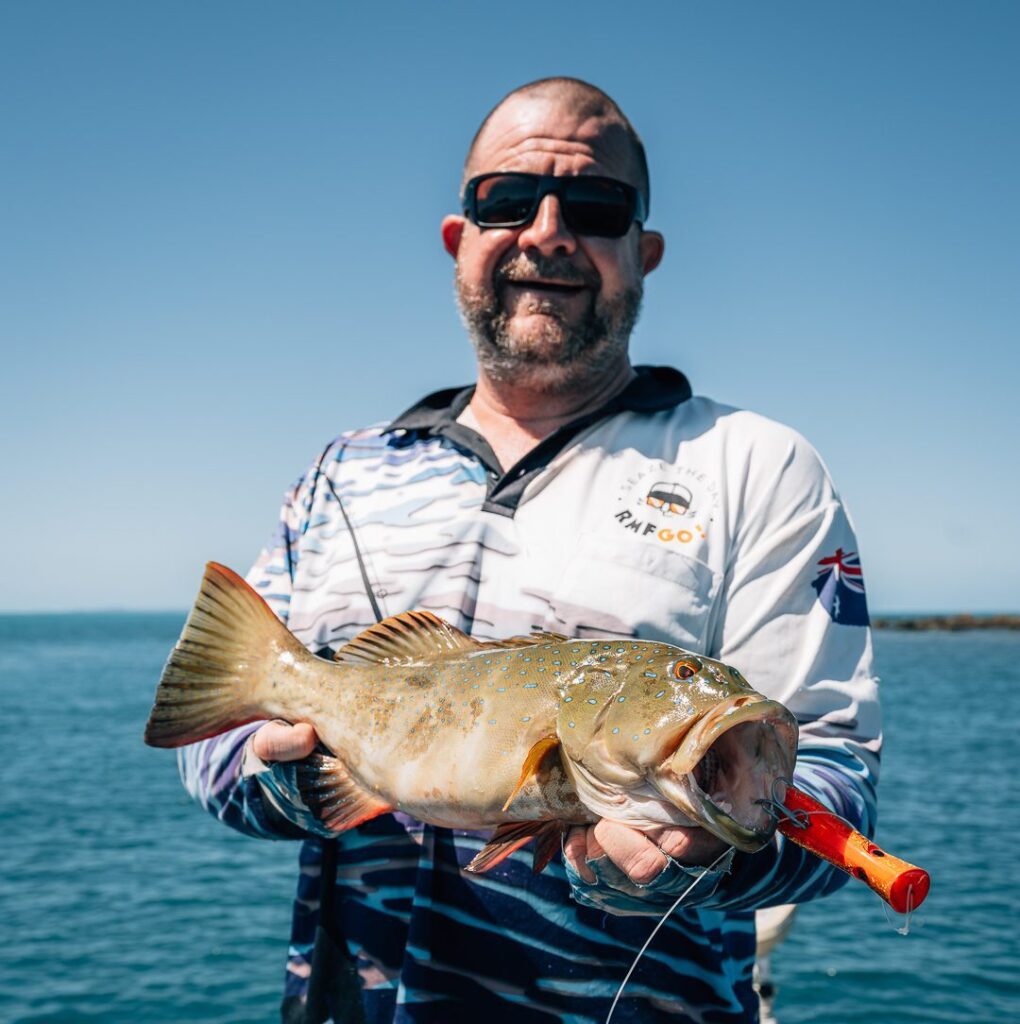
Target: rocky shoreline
<point x="950" y="623"/>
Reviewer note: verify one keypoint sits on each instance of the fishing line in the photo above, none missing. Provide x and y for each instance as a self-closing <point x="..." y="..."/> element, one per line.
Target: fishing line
<point x="369" y="591"/>
<point x="907" y="917"/>
<point x="334" y="987"/>
<point x="658" y="925"/>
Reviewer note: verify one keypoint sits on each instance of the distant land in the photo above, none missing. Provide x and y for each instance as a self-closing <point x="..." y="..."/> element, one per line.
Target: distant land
<point x="952" y="623"/>
<point x="916" y="622"/>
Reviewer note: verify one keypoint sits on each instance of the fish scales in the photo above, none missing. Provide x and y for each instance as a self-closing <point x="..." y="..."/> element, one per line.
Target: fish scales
<point x="526" y="735"/>
<point x="463" y="733"/>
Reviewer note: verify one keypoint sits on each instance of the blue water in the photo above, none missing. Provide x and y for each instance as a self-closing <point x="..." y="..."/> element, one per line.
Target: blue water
<point x="121" y="902"/>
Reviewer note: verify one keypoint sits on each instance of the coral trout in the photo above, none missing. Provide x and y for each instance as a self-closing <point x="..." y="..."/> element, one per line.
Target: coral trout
<point x="526" y="735"/>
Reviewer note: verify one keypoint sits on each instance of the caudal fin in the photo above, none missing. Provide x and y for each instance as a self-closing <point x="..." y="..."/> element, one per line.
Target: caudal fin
<point x="210" y="681"/>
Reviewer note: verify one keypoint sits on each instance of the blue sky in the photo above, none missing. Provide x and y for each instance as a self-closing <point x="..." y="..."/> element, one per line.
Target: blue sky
<point x="220" y="247"/>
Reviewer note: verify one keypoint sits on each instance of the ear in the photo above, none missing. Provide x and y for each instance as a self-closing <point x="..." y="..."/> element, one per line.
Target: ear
<point x="452" y="230"/>
<point x="651" y="247"/>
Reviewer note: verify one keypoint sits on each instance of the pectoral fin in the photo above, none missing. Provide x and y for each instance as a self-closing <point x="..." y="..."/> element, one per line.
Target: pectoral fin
<point x="533" y="764"/>
<point x="333" y="796"/>
<point x="512" y="836"/>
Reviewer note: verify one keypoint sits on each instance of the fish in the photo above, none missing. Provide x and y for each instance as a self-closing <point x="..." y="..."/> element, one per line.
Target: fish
<point x="526" y="736"/>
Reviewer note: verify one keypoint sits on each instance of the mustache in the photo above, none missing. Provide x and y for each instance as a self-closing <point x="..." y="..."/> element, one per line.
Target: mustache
<point x="527" y="268"/>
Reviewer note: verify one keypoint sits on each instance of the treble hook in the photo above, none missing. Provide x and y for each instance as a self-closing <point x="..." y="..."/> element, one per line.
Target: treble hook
<point x="778" y="811"/>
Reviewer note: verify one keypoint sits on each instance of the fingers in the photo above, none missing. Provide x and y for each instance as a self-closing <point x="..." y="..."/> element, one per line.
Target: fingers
<point x="280" y="741"/>
<point x="641" y="856"/>
<point x="631" y="851"/>
<point x="693" y="847"/>
<point x="581" y="846"/>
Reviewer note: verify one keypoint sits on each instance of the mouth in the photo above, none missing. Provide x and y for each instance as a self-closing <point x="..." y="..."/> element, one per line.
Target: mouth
<point x="548" y="287"/>
<point x="738" y="758"/>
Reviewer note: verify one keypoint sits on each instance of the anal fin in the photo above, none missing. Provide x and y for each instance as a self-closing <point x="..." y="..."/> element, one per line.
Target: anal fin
<point x="547" y="844"/>
<point x="511" y="836"/>
<point x="333" y="796"/>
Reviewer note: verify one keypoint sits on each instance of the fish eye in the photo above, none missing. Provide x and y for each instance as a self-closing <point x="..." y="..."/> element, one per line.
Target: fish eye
<point x="685" y="668"/>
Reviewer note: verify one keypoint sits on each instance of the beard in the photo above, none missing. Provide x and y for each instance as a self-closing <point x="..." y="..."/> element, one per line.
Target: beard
<point x="560" y="354"/>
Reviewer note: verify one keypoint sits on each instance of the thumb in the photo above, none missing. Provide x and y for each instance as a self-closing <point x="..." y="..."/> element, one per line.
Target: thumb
<point x="280" y="741"/>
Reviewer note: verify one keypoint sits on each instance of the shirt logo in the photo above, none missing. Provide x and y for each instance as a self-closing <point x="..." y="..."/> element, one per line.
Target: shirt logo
<point x="671" y="499"/>
<point x="840" y="587"/>
<point x="668" y="504"/>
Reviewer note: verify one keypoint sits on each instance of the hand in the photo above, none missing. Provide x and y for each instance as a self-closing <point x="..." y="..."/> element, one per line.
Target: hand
<point x="281" y="741"/>
<point x="641" y="856"/>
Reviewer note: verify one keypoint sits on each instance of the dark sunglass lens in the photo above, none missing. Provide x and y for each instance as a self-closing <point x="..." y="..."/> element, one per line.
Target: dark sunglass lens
<point x="506" y="200"/>
<point x="595" y="207"/>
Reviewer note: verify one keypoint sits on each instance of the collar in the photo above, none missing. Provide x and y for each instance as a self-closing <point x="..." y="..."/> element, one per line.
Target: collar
<point x="653" y="389"/>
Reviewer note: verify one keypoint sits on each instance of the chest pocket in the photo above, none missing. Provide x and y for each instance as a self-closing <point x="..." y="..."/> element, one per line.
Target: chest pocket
<point x="634" y="590"/>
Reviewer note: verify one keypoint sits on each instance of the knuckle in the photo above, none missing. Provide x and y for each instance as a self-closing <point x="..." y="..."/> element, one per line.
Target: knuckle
<point x="675" y="844"/>
<point x="645" y="866"/>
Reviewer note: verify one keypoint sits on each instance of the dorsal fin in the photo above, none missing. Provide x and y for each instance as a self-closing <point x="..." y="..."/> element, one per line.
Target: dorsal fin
<point x="406" y="639"/>
<point x="527" y="640"/>
<point x="540" y="636"/>
<point x="412" y="637"/>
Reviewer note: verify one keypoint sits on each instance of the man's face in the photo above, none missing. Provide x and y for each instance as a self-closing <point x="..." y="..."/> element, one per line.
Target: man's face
<point x="544" y="306"/>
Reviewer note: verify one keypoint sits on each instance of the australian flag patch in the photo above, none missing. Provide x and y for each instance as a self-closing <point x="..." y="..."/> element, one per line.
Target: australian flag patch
<point x="840" y="587"/>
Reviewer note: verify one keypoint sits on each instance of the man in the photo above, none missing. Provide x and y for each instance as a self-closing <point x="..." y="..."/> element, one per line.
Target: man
<point x="568" y="491"/>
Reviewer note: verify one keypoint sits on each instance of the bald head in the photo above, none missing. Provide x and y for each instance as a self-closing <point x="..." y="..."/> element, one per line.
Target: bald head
<point x="581" y="101"/>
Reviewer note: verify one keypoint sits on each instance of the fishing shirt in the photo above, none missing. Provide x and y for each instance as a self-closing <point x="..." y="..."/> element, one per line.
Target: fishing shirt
<point x="662" y="516"/>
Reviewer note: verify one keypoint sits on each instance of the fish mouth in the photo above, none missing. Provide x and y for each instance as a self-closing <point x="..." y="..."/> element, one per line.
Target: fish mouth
<point x="728" y="763"/>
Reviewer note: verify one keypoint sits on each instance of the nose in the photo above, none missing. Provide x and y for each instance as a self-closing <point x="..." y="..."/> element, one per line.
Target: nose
<point x="548" y="232"/>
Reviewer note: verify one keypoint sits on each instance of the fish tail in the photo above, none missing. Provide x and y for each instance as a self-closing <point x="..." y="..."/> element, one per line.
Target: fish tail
<point x="214" y="675"/>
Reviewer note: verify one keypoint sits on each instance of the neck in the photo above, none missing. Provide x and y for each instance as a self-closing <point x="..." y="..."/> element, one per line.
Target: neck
<point x="513" y="416"/>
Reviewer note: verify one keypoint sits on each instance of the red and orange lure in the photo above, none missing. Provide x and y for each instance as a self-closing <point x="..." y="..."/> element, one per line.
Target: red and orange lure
<point x="809" y="824"/>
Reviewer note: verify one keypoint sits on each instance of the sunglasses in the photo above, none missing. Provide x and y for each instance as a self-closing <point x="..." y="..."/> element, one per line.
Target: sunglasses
<point x="603" y="207"/>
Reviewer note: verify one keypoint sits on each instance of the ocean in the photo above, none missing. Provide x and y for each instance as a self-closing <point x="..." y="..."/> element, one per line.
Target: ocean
<point x="122" y="902"/>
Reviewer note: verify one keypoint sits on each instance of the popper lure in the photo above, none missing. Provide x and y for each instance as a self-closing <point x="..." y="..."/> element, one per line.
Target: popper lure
<point x="808" y="823"/>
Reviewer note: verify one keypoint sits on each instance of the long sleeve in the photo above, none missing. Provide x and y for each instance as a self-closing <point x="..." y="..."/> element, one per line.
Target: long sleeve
<point x="221" y="773"/>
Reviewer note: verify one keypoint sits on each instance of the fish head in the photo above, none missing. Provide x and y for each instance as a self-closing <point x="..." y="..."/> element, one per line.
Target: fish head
<point x="654" y="734"/>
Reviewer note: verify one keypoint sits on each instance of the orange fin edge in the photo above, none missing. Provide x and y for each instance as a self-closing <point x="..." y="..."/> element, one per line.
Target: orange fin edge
<point x="333" y="796"/>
